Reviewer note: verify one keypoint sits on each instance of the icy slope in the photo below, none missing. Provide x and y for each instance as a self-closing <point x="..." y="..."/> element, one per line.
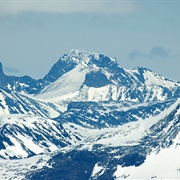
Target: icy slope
<point x="16" y="103"/>
<point x="67" y="83"/>
<point x="162" y="165"/>
<point x="23" y="136"/>
<point x="18" y="168"/>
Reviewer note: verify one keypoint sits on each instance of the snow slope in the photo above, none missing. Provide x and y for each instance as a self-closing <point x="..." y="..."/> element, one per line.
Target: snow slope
<point x="150" y="78"/>
<point x="162" y="165"/>
<point x="128" y="134"/>
<point x="66" y="84"/>
<point x="17" y="169"/>
<point x="23" y="135"/>
<point x="16" y="103"/>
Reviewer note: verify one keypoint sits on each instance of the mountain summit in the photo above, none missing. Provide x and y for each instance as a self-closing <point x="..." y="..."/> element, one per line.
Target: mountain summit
<point x="68" y="61"/>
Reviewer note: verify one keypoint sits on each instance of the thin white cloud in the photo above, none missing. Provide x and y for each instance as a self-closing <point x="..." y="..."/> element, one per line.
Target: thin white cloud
<point x="13" y="7"/>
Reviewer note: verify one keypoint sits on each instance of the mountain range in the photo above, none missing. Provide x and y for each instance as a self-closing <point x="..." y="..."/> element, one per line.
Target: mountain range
<point x="89" y="118"/>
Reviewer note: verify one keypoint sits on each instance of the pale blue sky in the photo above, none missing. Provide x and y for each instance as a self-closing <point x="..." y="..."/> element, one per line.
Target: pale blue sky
<point x="34" y="34"/>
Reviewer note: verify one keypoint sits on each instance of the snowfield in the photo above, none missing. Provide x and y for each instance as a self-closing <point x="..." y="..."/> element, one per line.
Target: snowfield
<point x="162" y="165"/>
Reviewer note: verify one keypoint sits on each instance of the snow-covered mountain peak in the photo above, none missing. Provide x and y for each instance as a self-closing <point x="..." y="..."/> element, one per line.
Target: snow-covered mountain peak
<point x="87" y="76"/>
<point x="70" y="60"/>
<point x="149" y="78"/>
<point x="89" y="60"/>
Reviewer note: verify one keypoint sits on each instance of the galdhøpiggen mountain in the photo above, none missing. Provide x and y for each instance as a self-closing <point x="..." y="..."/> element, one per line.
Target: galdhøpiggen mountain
<point x="89" y="118"/>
